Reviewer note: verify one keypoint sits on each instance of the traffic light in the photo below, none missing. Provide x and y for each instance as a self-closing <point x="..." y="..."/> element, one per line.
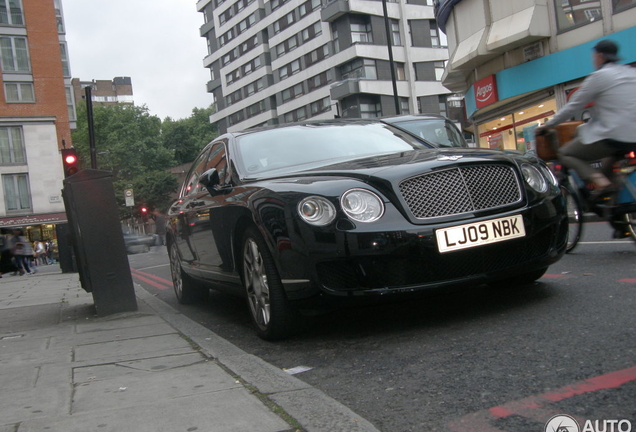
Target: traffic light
<point x="70" y="162"/>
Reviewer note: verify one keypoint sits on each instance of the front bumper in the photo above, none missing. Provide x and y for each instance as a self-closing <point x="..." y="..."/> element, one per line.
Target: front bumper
<point x="357" y="262"/>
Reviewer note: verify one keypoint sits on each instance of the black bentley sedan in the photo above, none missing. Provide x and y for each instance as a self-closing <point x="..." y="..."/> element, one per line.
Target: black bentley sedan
<point x="296" y="215"/>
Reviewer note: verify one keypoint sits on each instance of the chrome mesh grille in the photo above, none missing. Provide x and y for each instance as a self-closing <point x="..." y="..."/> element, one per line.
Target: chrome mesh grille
<point x="460" y="190"/>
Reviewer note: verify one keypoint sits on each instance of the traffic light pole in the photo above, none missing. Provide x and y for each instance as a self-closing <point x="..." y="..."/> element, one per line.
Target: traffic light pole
<point x="91" y="126"/>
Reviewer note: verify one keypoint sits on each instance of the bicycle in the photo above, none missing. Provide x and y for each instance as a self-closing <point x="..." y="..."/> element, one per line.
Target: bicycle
<point x="618" y="208"/>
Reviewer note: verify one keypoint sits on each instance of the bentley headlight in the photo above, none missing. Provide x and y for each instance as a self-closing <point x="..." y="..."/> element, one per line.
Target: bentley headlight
<point x="549" y="175"/>
<point x="316" y="210"/>
<point x="534" y="178"/>
<point x="362" y="205"/>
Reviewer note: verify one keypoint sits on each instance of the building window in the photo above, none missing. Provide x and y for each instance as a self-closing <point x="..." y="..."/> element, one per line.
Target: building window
<point x="11" y="12"/>
<point x="320" y="80"/>
<point x="293" y="92"/>
<point x="399" y="72"/>
<point x="296" y="115"/>
<point x="575" y="13"/>
<point x="283" y="23"/>
<point x="438" y="39"/>
<point x="58" y="16"/>
<point x="404" y="106"/>
<point x="334" y="38"/>
<point x="308" y="6"/>
<point x="621" y="5"/>
<point x="361" y="30"/>
<point x="395" y="33"/>
<point x="359" y="68"/>
<point x="71" y="105"/>
<point x="19" y="92"/>
<point x="66" y="69"/>
<point x="235" y="118"/>
<point x="439" y="70"/>
<point x="320" y="106"/>
<point x="12" y="146"/>
<point x="442" y="105"/>
<point x="15" y="54"/>
<point x="370" y="109"/>
<point x="256" y="109"/>
<point x="16" y="192"/>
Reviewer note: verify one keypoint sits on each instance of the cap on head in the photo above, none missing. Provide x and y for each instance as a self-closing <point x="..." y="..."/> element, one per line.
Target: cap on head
<point x="608" y="49"/>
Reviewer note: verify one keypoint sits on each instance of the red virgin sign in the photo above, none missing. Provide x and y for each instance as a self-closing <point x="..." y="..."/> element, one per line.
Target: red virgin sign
<point x="485" y="91"/>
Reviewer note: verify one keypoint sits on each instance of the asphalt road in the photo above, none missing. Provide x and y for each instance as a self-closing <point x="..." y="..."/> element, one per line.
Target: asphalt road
<point x="478" y="359"/>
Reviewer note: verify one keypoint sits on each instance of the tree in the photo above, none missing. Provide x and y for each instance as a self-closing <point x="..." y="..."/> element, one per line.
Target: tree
<point x="187" y="137"/>
<point x="129" y="143"/>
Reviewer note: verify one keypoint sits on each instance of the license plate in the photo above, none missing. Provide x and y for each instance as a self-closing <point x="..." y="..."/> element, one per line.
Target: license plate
<point x="479" y="233"/>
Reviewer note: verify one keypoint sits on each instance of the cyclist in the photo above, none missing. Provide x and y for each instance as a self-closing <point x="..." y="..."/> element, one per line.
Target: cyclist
<point x="612" y="128"/>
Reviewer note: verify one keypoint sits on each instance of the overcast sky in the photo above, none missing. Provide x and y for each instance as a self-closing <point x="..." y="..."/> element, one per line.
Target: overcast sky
<point x="155" y="42"/>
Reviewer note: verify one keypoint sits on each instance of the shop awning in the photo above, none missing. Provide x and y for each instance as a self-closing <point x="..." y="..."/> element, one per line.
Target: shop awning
<point x="25" y="220"/>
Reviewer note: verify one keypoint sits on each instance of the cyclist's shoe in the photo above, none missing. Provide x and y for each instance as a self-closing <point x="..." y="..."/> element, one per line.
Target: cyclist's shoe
<point x="601" y="192"/>
<point x="620" y="234"/>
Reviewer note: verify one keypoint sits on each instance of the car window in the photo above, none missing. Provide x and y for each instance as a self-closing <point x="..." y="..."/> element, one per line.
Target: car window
<point x="191" y="184"/>
<point x="218" y="160"/>
<point x="304" y="144"/>
<point x="441" y="132"/>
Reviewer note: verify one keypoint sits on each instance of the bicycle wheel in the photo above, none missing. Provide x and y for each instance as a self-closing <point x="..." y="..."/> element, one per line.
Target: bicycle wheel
<point x="630" y="220"/>
<point x="575" y="216"/>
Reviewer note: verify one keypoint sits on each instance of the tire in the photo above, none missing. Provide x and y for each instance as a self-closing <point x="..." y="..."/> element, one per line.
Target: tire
<point x="630" y="220"/>
<point x="575" y="217"/>
<point x="519" y="280"/>
<point x="269" y="308"/>
<point x="186" y="289"/>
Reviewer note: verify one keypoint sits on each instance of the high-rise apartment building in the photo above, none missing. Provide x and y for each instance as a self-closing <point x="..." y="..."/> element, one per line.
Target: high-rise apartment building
<point x="280" y="61"/>
<point x="36" y="115"/>
<point x="104" y="92"/>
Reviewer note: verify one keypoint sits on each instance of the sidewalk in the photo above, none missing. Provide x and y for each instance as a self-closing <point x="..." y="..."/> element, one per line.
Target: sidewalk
<point x="63" y="369"/>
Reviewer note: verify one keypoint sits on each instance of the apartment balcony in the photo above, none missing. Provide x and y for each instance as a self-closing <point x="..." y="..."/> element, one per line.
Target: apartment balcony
<point x="213" y="84"/>
<point x="334" y="10"/>
<point x="344" y="88"/>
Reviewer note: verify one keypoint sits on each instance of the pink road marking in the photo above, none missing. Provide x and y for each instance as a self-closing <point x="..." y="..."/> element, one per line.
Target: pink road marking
<point x="535" y="406"/>
<point x="146" y="277"/>
<point x="628" y="280"/>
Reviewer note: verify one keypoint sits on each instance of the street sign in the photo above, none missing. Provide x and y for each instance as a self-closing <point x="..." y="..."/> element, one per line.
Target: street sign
<point x="130" y="198"/>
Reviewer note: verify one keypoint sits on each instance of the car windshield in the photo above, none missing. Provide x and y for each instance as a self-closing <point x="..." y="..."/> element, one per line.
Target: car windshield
<point x="437" y="131"/>
<point x="307" y="144"/>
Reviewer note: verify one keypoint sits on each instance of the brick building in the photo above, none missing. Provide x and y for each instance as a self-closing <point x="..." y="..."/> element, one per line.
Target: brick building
<point x="36" y="115"/>
<point x="104" y="92"/>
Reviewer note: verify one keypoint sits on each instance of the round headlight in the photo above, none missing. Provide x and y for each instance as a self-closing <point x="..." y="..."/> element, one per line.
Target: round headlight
<point x="534" y="178"/>
<point x="549" y="175"/>
<point x="316" y="210"/>
<point x="362" y="205"/>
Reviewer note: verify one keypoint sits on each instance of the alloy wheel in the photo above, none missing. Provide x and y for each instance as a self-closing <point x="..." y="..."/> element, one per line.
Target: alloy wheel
<point x="255" y="275"/>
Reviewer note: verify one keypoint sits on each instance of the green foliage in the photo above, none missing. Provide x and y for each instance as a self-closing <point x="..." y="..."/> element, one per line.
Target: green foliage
<point x="188" y="136"/>
<point x="138" y="148"/>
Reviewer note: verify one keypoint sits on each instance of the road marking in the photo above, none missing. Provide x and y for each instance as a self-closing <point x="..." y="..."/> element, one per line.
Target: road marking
<point x="161" y="283"/>
<point x="628" y="280"/>
<point x="152" y="267"/>
<point x="538" y="407"/>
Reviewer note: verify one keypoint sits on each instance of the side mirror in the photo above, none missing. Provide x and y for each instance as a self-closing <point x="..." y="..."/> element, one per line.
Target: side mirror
<point x="210" y="179"/>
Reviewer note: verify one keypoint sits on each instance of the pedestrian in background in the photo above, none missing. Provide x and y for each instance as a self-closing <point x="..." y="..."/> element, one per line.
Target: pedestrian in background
<point x="160" y="227"/>
<point x="22" y="252"/>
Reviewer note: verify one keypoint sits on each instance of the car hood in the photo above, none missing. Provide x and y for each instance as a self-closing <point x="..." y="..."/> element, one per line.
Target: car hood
<point x="401" y="163"/>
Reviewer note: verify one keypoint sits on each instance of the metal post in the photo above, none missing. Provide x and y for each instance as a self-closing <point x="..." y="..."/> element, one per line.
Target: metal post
<point x="391" y="64"/>
<point x="91" y="126"/>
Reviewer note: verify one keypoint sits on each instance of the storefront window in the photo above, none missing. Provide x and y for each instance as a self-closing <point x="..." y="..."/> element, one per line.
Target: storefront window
<point x="515" y="131"/>
<point x="621" y="5"/>
<point x="575" y="13"/>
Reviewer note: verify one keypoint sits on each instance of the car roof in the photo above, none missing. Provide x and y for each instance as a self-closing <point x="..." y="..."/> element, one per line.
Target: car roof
<point x="412" y="117"/>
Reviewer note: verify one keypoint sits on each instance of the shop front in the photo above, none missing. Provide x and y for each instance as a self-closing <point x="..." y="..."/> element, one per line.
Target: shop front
<point x="507" y="106"/>
<point x="40" y="228"/>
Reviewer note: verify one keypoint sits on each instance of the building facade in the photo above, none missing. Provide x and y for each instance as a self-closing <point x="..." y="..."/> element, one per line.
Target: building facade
<point x="518" y="61"/>
<point x="104" y="92"/>
<point x="280" y="61"/>
<point x="36" y="115"/>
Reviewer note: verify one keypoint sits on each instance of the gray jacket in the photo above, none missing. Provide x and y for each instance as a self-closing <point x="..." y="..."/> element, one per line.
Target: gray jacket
<point x="612" y="88"/>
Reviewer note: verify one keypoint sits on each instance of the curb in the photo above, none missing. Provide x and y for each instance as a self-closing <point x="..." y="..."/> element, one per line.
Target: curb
<point x="310" y="407"/>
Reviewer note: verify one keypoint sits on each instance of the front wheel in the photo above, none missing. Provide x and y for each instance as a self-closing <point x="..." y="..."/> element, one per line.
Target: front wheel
<point x="630" y="221"/>
<point x="575" y="216"/>
<point x="270" y="311"/>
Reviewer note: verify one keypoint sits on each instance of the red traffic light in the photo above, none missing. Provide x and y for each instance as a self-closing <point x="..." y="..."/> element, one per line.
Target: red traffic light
<point x="70" y="162"/>
<point x="144" y="210"/>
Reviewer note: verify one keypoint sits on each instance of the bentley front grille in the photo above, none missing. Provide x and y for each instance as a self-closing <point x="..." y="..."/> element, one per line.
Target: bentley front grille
<point x="461" y="190"/>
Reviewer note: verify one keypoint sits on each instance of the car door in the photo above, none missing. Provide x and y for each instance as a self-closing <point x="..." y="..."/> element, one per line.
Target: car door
<point x="213" y="239"/>
<point x="183" y="213"/>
